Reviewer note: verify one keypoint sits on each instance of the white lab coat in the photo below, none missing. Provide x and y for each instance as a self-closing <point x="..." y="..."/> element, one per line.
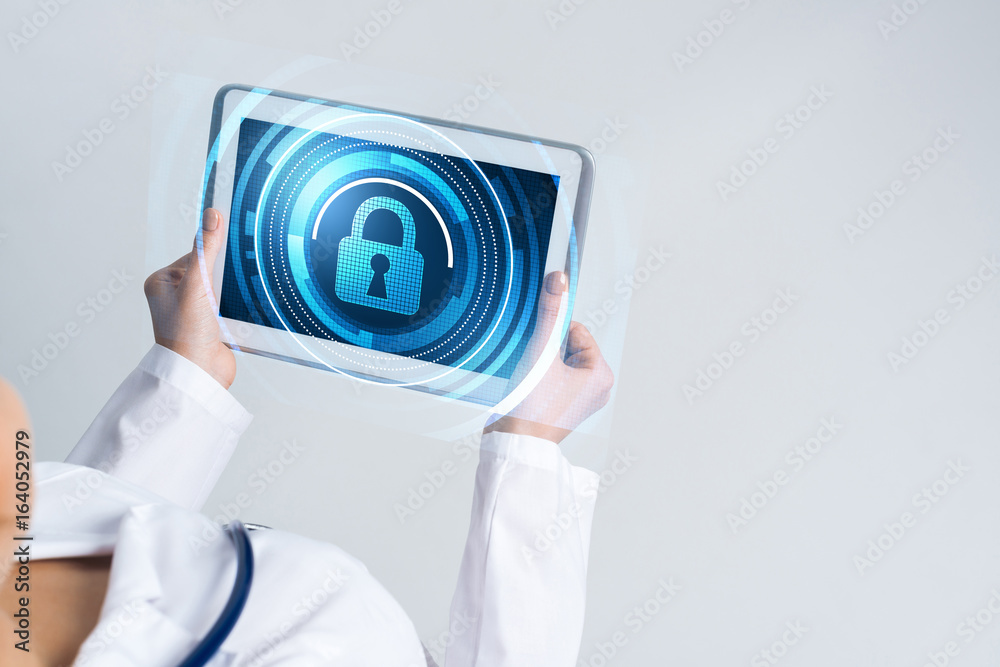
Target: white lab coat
<point x="166" y="436"/>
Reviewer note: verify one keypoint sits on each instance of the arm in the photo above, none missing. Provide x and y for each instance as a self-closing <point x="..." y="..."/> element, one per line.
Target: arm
<point x="522" y="584"/>
<point x="522" y="587"/>
<point x="172" y="426"/>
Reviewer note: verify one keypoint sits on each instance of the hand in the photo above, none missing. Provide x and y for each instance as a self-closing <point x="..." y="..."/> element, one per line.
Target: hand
<point x="181" y="303"/>
<point x="572" y="389"/>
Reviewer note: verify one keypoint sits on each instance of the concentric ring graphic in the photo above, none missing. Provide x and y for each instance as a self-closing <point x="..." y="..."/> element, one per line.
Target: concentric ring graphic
<point x="364" y="181"/>
<point x="363" y="339"/>
<point x="478" y="244"/>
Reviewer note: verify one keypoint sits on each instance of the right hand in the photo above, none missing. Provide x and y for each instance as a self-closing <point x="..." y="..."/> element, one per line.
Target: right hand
<point x="572" y="389"/>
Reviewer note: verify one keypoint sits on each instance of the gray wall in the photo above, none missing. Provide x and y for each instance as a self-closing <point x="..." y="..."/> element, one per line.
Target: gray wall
<point x="855" y="294"/>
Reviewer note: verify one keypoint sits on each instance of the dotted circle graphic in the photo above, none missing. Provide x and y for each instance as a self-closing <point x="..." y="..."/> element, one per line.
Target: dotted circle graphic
<point x="464" y="323"/>
<point x="294" y="295"/>
<point x="488" y="288"/>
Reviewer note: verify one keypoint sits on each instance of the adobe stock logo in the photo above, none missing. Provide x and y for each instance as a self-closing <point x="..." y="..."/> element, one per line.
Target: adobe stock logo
<point x="924" y="501"/>
<point x="779" y="648"/>
<point x="790" y="124"/>
<point x="87" y="310"/>
<point x="121" y="108"/>
<point x="723" y="361"/>
<point x="795" y="459"/>
<point x="899" y="17"/>
<point x="703" y="40"/>
<point x="915" y="167"/>
<point x="364" y="35"/>
<point x="968" y="630"/>
<point x="463" y="110"/>
<point x="33" y="23"/>
<point x="927" y="330"/>
<point x="636" y="620"/>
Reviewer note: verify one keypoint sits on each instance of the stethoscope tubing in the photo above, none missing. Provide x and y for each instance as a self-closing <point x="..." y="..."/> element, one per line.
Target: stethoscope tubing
<point x="212" y="642"/>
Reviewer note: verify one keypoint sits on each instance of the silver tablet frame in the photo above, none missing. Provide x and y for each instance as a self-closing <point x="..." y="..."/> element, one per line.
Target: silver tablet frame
<point x="576" y="170"/>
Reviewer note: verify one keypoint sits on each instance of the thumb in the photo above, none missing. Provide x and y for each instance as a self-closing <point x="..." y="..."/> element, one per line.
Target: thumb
<point x="208" y="242"/>
<point x="549" y="303"/>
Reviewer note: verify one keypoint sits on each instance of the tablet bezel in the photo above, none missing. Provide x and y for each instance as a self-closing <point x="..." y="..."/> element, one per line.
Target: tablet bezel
<point x="573" y="164"/>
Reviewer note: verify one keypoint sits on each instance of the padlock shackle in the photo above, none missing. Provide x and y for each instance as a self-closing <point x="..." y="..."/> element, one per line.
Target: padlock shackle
<point x="373" y="204"/>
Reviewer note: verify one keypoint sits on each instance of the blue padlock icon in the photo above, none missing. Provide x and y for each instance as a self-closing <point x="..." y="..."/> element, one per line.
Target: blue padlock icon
<point x="380" y="275"/>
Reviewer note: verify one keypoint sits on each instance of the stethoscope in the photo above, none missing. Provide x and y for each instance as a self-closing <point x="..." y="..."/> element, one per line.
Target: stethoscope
<point x="212" y="642"/>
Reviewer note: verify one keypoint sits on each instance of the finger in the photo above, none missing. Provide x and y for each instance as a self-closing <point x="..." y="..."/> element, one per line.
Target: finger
<point x="171" y="274"/>
<point x="173" y="271"/>
<point x="577" y="337"/>
<point x="179" y="263"/>
<point x="582" y="348"/>
<point x="550" y="302"/>
<point x="176" y="271"/>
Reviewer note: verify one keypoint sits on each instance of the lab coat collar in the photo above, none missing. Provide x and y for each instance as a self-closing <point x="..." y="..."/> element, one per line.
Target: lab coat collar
<point x="134" y="576"/>
<point x="148" y="539"/>
<point x="139" y="529"/>
<point x="78" y="511"/>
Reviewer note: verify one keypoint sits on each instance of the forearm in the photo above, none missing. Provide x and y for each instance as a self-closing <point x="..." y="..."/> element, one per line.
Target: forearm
<point x="523" y="575"/>
<point x="170" y="428"/>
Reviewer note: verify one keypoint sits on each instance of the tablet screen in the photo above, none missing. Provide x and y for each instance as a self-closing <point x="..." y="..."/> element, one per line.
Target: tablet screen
<point x="368" y="244"/>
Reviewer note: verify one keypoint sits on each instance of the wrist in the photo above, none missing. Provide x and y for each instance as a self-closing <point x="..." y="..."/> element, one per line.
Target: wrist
<point x="222" y="372"/>
<point x="517" y="426"/>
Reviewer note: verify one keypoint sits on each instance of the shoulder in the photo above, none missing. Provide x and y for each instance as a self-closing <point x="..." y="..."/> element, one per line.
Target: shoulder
<point x="311" y="599"/>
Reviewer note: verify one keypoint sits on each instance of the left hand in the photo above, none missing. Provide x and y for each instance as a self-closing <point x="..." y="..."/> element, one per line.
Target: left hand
<point x="182" y="305"/>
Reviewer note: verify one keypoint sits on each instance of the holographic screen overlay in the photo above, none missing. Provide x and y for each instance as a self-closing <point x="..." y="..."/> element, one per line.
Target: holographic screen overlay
<point x="178" y="179"/>
<point x="468" y="239"/>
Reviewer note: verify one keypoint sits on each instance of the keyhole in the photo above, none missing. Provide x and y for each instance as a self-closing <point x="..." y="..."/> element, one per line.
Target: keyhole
<point x="380" y="265"/>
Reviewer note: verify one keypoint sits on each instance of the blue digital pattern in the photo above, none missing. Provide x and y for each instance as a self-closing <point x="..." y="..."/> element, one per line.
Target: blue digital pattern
<point x="473" y="307"/>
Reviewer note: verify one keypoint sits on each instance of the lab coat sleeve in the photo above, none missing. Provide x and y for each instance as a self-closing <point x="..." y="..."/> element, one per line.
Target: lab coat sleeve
<point x="522" y="584"/>
<point x="169" y="428"/>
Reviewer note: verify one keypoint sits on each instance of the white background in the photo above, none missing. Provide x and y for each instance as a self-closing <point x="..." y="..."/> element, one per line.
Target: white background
<point x="784" y="230"/>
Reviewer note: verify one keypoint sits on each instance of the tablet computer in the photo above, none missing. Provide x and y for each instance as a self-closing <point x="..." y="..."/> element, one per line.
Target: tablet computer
<point x="387" y="247"/>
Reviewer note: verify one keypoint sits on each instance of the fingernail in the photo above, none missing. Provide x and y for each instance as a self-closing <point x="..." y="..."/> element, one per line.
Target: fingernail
<point x="555" y="282"/>
<point x="210" y="220"/>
